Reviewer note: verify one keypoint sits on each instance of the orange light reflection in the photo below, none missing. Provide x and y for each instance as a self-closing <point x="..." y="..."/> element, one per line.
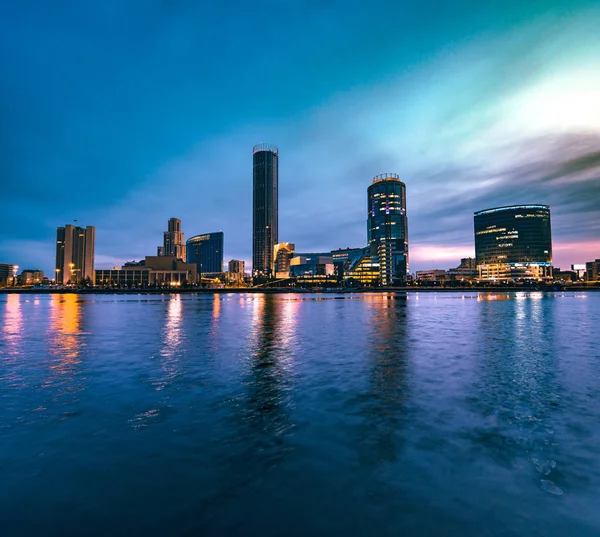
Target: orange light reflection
<point x="65" y="330"/>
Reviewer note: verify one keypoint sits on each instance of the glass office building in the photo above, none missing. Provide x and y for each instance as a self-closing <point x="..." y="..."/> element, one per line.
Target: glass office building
<point x="206" y="252"/>
<point x="355" y="264"/>
<point x="387" y="227"/>
<point x="265" y="159"/>
<point x="513" y="243"/>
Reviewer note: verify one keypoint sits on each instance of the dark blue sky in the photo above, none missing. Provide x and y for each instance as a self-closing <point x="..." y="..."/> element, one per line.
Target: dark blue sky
<point x="122" y="114"/>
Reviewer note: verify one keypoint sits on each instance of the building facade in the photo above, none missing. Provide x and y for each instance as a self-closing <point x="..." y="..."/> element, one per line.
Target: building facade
<point x="265" y="159"/>
<point x="282" y="255"/>
<point x="236" y="266"/>
<point x="31" y="276"/>
<point x="6" y="273"/>
<point x="513" y="243"/>
<point x="356" y="264"/>
<point x="206" y="252"/>
<point x="592" y="271"/>
<point x="387" y="227"/>
<point x="236" y="270"/>
<point x="153" y="271"/>
<point x="467" y="270"/>
<point x="311" y="264"/>
<point x="74" y="254"/>
<point x="173" y="245"/>
<point x="433" y="275"/>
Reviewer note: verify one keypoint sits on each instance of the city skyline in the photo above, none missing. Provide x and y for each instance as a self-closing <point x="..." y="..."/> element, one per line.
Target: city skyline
<point x="495" y="107"/>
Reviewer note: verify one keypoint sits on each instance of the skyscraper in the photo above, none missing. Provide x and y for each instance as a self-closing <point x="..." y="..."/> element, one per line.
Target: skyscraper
<point x="173" y="244"/>
<point x="513" y="243"/>
<point x="206" y="251"/>
<point x="265" y="159"/>
<point x="387" y="227"/>
<point x="75" y="254"/>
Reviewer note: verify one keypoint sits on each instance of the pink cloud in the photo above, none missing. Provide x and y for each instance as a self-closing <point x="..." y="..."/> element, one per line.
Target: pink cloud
<point x="443" y="257"/>
<point x="567" y="253"/>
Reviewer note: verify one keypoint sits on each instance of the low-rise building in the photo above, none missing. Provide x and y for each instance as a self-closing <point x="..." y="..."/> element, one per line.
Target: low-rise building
<point x="467" y="270"/>
<point x="434" y="275"/>
<point x="124" y="277"/>
<point x="356" y="264"/>
<point x="579" y="269"/>
<point x="31" y="276"/>
<point x="314" y="264"/>
<point x="155" y="271"/>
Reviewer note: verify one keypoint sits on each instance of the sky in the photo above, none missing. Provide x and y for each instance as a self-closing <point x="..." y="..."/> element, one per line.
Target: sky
<point x="123" y="113"/>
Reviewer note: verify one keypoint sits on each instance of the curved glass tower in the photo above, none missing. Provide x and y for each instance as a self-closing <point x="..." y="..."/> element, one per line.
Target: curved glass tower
<point x="206" y="252"/>
<point x="387" y="227"/>
<point x="264" y="215"/>
<point x="514" y="242"/>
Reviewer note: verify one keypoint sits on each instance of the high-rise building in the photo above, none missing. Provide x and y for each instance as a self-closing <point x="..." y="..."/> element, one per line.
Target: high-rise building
<point x="74" y="254"/>
<point x="265" y="159"/>
<point x="282" y="254"/>
<point x="387" y="227"/>
<point x="173" y="245"/>
<point x="206" y="251"/>
<point x="236" y="270"/>
<point x="235" y="266"/>
<point x="6" y="272"/>
<point x="513" y="243"/>
<point x="592" y="270"/>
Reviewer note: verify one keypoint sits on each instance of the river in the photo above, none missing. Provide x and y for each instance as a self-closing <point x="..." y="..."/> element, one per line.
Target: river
<point x="256" y="415"/>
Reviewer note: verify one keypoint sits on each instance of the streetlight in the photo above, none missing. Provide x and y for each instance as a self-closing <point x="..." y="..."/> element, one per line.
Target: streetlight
<point x="14" y="271"/>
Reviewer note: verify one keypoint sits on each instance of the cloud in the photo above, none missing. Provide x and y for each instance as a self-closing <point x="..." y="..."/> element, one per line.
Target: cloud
<point x="136" y="115"/>
<point x="438" y="256"/>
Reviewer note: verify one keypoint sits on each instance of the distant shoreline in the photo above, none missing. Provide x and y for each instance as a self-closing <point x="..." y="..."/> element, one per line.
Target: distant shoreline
<point x="250" y="290"/>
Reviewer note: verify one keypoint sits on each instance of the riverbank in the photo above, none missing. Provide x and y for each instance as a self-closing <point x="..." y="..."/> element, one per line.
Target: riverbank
<point x="280" y="290"/>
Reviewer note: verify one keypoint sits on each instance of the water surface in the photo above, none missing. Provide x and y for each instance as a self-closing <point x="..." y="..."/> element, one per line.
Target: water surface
<point x="443" y="414"/>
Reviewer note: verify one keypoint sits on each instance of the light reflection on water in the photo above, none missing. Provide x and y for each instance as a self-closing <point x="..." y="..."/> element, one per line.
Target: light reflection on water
<point x="440" y="414"/>
<point x="64" y="334"/>
<point x="12" y="326"/>
<point x="269" y="368"/>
